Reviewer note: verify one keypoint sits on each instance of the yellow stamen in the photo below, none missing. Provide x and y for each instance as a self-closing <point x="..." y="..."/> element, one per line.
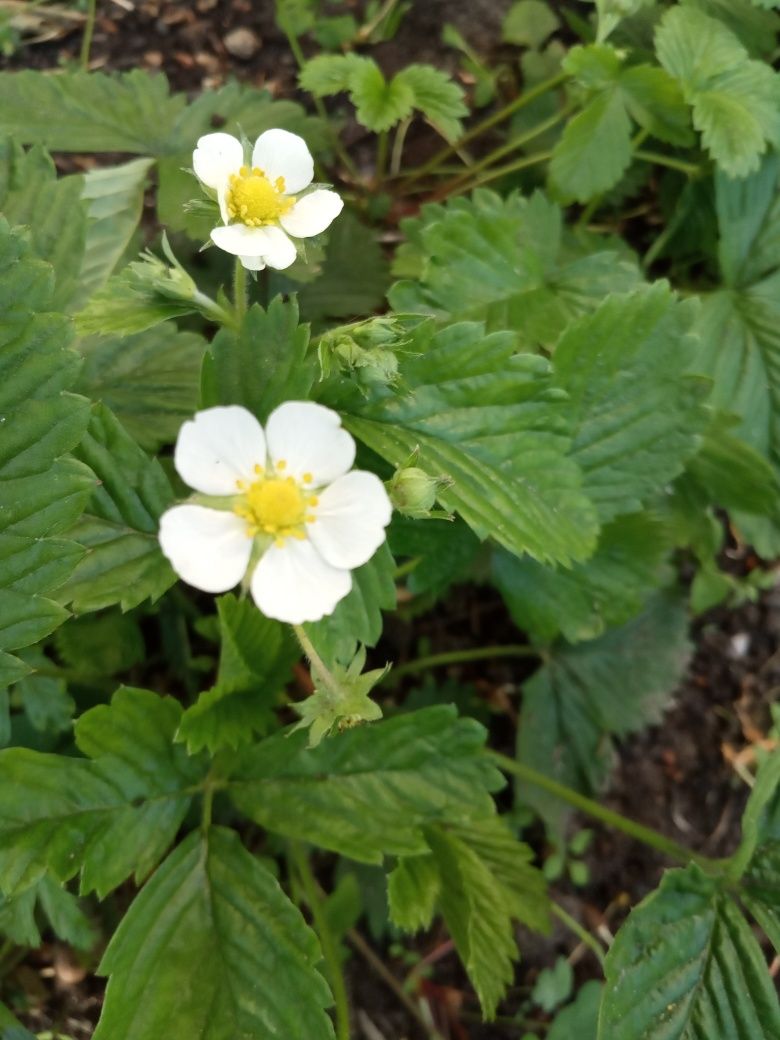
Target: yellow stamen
<point x="254" y="200"/>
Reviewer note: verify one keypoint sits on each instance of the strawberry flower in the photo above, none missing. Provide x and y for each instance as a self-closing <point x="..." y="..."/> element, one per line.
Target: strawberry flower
<point x="261" y="202"/>
<point x="280" y="508"/>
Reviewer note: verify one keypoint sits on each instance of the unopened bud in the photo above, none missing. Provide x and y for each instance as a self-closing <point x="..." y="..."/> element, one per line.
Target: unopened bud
<point x="413" y="492"/>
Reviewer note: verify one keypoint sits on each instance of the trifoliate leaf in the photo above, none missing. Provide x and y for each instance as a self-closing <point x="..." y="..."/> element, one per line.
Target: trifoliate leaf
<point x="41" y="495"/>
<point x="735" y="100"/>
<point x="33" y="196"/>
<point x="150" y="381"/>
<point x="489" y="419"/>
<point x="636" y="415"/>
<point x="584" y="600"/>
<point x="437" y="96"/>
<point x="123" y="563"/>
<point x="368" y="792"/>
<point x="263" y="364"/>
<point x="505" y="261"/>
<point x="213" y="948"/>
<point x="256" y="658"/>
<point x="672" y="969"/>
<point x="107" y="818"/>
<point x="613" y="685"/>
<point x="114" y="196"/>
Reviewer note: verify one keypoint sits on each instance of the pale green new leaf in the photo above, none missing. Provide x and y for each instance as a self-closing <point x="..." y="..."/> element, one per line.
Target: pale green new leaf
<point x="368" y="792"/>
<point x="256" y="658"/>
<point x="123" y="563"/>
<point x="106" y="818"/>
<point x="505" y="261"/>
<point x="492" y="421"/>
<point x="379" y="104"/>
<point x="262" y="365"/>
<point x="437" y="96"/>
<point x="528" y="23"/>
<point x="587" y="693"/>
<point x="213" y="948"/>
<point x="582" y="601"/>
<point x="636" y="414"/>
<point x="686" y="966"/>
<point x="150" y="381"/>
<point x="114" y="197"/>
<point x="735" y="100"/>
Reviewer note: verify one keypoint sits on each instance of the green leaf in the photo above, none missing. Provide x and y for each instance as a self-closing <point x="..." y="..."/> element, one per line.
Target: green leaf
<point x="213" y="925"/>
<point x="256" y="658"/>
<point x="553" y="985"/>
<point x="261" y="366"/>
<point x="123" y="562"/>
<point x="437" y="96"/>
<point x="686" y="965"/>
<point x="32" y="195"/>
<point x="11" y="1030"/>
<point x="594" y="150"/>
<point x="82" y="112"/>
<point x="354" y="276"/>
<point x="57" y="905"/>
<point x="586" y="694"/>
<point x="358" y="617"/>
<point x="636" y="414"/>
<point x="368" y="792"/>
<point x="40" y="494"/>
<point x="45" y="700"/>
<point x="528" y="23"/>
<point x="492" y="421"/>
<point x="101" y="644"/>
<point x="733" y="474"/>
<point x="655" y="101"/>
<point x="505" y="261"/>
<point x="580" y="1019"/>
<point x="486" y="881"/>
<point x="611" y="13"/>
<point x="734" y="99"/>
<point x="413" y="889"/>
<point x="583" y="601"/>
<point x="107" y="818"/>
<point x="379" y="104"/>
<point x="114" y="196"/>
<point x="150" y="381"/>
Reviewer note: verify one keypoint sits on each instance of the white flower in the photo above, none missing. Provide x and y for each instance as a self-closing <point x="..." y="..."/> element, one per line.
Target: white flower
<point x="287" y="495"/>
<point x="259" y="203"/>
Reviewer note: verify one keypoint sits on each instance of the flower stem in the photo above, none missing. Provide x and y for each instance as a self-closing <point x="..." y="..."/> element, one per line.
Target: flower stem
<point x="691" y="169"/>
<point x="487" y="124"/>
<point x="89" y="29"/>
<point x="330" y="952"/>
<point x="483" y="653"/>
<point x="638" y="831"/>
<point x="239" y="291"/>
<point x="382" y="146"/>
<point x="398" y="145"/>
<point x="582" y="934"/>
<point x="318" y="666"/>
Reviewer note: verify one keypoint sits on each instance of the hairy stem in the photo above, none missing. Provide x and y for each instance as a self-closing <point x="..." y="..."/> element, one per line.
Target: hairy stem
<point x="482" y="653"/>
<point x="382" y="147"/>
<point x="582" y="934"/>
<point x="318" y="666"/>
<point x="691" y="169"/>
<point x="239" y="291"/>
<point x="497" y="172"/>
<point x="89" y="29"/>
<point x="330" y="952"/>
<point x="638" y="831"/>
<point x="487" y="124"/>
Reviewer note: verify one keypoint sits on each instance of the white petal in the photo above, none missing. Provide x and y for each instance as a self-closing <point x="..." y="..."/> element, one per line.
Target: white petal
<point x="269" y="244"/>
<point x="310" y="440"/>
<point x="293" y="583"/>
<point x="253" y="263"/>
<point x="216" y="157"/>
<point x="208" y="548"/>
<point x="279" y="153"/>
<point x="312" y="214"/>
<point x="219" y="447"/>
<point x="351" y="517"/>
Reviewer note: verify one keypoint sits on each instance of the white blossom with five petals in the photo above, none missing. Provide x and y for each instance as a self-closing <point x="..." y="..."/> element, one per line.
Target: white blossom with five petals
<point x="261" y="204"/>
<point x="286" y="503"/>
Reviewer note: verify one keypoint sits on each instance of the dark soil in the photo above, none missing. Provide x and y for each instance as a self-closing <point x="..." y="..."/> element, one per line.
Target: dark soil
<point x="681" y="778"/>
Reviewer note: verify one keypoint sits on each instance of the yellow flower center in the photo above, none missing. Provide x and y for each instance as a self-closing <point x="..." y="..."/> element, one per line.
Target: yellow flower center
<point x="254" y="200"/>
<point x="276" y="505"/>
